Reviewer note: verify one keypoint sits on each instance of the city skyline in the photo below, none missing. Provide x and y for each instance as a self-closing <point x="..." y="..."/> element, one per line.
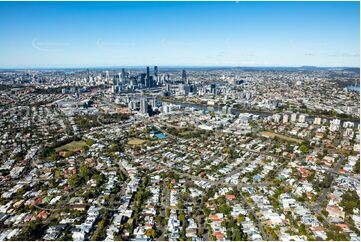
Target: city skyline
<point x="179" y="34"/>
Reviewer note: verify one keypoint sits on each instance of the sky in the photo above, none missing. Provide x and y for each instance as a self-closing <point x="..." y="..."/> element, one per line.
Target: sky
<point x="99" y="34"/>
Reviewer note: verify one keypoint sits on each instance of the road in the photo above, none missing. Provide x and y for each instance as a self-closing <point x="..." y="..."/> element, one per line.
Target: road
<point x="334" y="173"/>
<point x="164" y="203"/>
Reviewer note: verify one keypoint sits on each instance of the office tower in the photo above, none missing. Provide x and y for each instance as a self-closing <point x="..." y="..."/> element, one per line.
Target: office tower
<point x="142" y="79"/>
<point x="147" y="78"/>
<point x="213" y="88"/>
<point x="144" y="106"/>
<point x="193" y="89"/>
<point x="167" y="87"/>
<point x="148" y="73"/>
<point x="184" y="89"/>
<point x="184" y="76"/>
<point x="106" y="75"/>
<point x="151" y="82"/>
<point x="133" y="81"/>
<point x="156" y="71"/>
<point x="88" y="77"/>
<point x="120" y="79"/>
<point x="123" y="74"/>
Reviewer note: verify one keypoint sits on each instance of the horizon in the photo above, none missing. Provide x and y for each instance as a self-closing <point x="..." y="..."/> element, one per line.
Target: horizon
<point x="174" y="67"/>
<point x="41" y="35"/>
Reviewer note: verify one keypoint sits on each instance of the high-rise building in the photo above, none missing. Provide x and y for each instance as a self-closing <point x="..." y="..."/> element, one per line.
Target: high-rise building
<point x="151" y="82"/>
<point x="213" y="89"/>
<point x="143" y="79"/>
<point x="184" y="76"/>
<point x="335" y="124"/>
<point x="293" y="117"/>
<point x="167" y="87"/>
<point x="144" y="106"/>
<point x="106" y="75"/>
<point x="132" y="105"/>
<point x="285" y="118"/>
<point x="317" y="121"/>
<point x="147" y="78"/>
<point x="184" y="89"/>
<point x="156" y="71"/>
<point x="120" y="79"/>
<point x="123" y="74"/>
<point x="225" y="109"/>
<point x="302" y="118"/>
<point x="88" y="76"/>
<point x="153" y="103"/>
<point x="276" y="118"/>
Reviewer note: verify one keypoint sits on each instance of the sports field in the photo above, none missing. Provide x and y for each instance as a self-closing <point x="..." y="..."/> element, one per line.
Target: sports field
<point x="72" y="146"/>
<point x="136" y="141"/>
<point x="280" y="136"/>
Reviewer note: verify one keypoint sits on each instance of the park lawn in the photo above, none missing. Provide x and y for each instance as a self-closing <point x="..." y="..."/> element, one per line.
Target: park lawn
<point x="136" y="141"/>
<point x="280" y="136"/>
<point x="72" y="146"/>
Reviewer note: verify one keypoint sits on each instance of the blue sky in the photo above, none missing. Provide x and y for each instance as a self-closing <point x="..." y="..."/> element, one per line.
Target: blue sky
<point x="86" y="34"/>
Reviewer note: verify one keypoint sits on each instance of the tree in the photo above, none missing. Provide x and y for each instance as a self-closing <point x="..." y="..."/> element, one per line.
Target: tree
<point x="84" y="171"/>
<point x="335" y="233"/>
<point x="150" y="233"/>
<point x="73" y="180"/>
<point x="57" y="174"/>
<point x="240" y="218"/>
<point x="89" y="142"/>
<point x="181" y="217"/>
<point x="33" y="231"/>
<point x="170" y="186"/>
<point x="225" y="209"/>
<point x="350" y="200"/>
<point x="167" y="212"/>
<point x="304" y="148"/>
<point x="236" y="235"/>
<point x="356" y="168"/>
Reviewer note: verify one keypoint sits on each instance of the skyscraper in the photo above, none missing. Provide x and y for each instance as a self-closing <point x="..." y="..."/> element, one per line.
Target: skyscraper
<point x="148" y="72"/>
<point x="167" y="87"/>
<point x="285" y="118"/>
<point x="147" y="78"/>
<point x="107" y="76"/>
<point x="184" y="76"/>
<point x="123" y="74"/>
<point x="88" y="77"/>
<point x="144" y="106"/>
<point x="156" y="71"/>
<point x="293" y="117"/>
<point x="153" y="103"/>
<point x="120" y="79"/>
